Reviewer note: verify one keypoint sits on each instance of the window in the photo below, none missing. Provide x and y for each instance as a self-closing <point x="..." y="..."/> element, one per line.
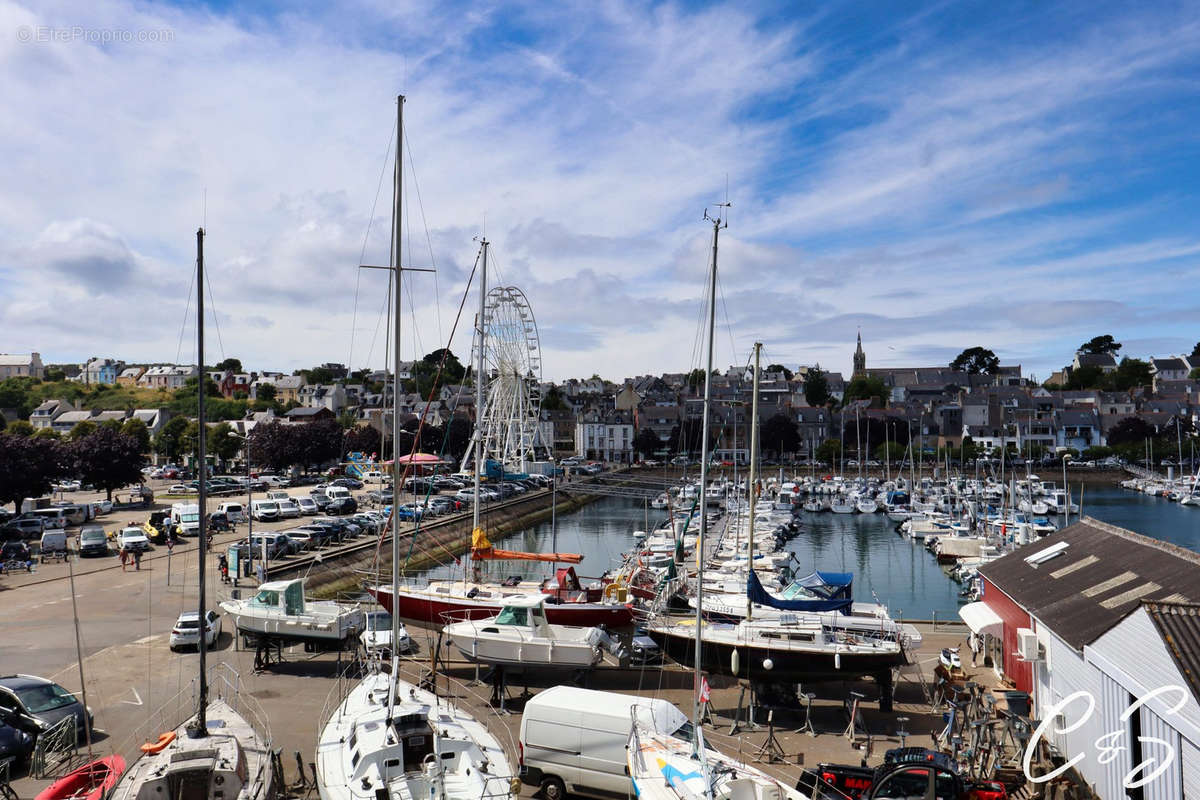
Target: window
<point x="513" y="615"/>
<point x="37" y="699"/>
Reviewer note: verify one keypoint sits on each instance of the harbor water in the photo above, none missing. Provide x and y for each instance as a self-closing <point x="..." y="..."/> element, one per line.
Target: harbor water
<point x="887" y="567"/>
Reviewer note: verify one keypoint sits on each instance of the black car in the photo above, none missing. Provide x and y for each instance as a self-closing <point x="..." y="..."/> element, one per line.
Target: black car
<point x="349" y="483"/>
<point x="14" y="551"/>
<point x="321" y="499"/>
<point x="22" y="528"/>
<point x="342" y="505"/>
<point x="15" y="744"/>
<point x="36" y="704"/>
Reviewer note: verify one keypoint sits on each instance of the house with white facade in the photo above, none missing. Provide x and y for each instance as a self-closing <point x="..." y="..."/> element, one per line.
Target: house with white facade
<point x="21" y="366"/>
<point x="607" y="437"/>
<point x="167" y="376"/>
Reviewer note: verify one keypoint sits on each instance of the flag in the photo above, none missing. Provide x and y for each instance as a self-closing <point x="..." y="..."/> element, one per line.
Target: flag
<point x="704" y="692"/>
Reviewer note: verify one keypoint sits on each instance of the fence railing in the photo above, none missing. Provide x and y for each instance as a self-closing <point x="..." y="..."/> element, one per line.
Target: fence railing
<point x="55" y="747"/>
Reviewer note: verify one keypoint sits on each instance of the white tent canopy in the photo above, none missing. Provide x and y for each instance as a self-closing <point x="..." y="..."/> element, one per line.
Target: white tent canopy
<point x="982" y="619"/>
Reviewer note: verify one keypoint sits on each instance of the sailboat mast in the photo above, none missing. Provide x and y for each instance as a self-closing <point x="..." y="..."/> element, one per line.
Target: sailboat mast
<point x="397" y="311"/>
<point x="753" y="467"/>
<point x="481" y="332"/>
<point x="704" y="456"/>
<point x="200" y="729"/>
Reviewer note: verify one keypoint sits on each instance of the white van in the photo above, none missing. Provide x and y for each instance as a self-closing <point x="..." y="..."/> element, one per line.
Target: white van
<point x="51" y="517"/>
<point x="574" y="740"/>
<point x="373" y="476"/>
<point x="234" y="512"/>
<point x="337" y="492"/>
<point x="186" y="517"/>
<point x="264" y="510"/>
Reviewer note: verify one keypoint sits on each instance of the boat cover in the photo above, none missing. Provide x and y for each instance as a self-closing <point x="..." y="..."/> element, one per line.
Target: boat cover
<point x="831" y="585"/>
<point x="757" y="594"/>
<point x="482" y="550"/>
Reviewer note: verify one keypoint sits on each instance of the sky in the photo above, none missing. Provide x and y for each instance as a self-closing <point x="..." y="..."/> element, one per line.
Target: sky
<point x="1020" y="176"/>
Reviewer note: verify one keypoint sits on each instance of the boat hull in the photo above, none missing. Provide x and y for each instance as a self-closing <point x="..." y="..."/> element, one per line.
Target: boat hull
<point x="424" y="608"/>
<point x="786" y="666"/>
<point x="89" y="782"/>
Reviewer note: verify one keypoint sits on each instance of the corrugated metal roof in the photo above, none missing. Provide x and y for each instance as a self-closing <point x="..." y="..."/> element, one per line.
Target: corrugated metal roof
<point x="1098" y="578"/>
<point x="1179" y="626"/>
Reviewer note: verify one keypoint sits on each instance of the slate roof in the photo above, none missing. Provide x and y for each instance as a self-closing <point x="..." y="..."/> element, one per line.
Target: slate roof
<point x="1179" y="626"/>
<point x="1098" y="579"/>
<point x="1163" y="364"/>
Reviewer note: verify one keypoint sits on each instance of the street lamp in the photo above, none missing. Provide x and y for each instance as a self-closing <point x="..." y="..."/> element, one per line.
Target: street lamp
<point x="1065" y="458"/>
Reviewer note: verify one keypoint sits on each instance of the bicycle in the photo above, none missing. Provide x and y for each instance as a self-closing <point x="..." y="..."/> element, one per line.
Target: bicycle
<point x="6" y="790"/>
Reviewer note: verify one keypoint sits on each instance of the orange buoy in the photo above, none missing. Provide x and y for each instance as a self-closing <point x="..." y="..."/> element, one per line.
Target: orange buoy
<point x="157" y="747"/>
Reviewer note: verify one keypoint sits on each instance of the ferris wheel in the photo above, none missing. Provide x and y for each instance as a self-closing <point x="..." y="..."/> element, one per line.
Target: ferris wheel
<point x="512" y="365"/>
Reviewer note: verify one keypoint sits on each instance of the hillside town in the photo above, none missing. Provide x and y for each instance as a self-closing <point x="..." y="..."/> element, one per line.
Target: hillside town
<point x="1097" y="406"/>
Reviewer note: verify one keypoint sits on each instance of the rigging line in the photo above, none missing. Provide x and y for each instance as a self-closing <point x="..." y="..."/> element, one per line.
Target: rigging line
<point x="183" y="322"/>
<point x="383" y="314"/>
<point x="725" y="312"/>
<point x="437" y="293"/>
<point x="213" y="308"/>
<point x="363" y="253"/>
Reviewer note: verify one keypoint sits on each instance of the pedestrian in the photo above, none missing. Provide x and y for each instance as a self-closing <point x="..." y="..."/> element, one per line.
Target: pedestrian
<point x="223" y="566"/>
<point x="124" y="556"/>
<point x="262" y="573"/>
<point x="973" y="643"/>
<point x="137" y="558"/>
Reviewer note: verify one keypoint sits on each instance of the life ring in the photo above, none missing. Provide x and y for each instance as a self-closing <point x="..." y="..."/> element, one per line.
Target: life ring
<point x="158" y="746"/>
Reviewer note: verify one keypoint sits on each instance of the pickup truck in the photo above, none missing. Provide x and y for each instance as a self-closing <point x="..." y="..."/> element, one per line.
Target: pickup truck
<point x="905" y="772"/>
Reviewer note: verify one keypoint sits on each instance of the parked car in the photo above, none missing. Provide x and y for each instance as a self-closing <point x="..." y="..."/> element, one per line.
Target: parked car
<point x="180" y="488"/>
<point x="186" y="632"/>
<point x="288" y="508"/>
<point x="93" y="541"/>
<point x="133" y="540"/>
<point x="23" y="528"/>
<point x="379" y="496"/>
<point x="307" y="505"/>
<point x="275" y="481"/>
<point x="38" y="704"/>
<point x="349" y="483"/>
<point x="16" y="745"/>
<point x="342" y="505"/>
<point x="321" y="499"/>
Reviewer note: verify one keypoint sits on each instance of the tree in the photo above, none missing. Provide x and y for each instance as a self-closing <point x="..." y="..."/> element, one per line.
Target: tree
<point x="1195" y="356"/>
<point x="829" y="451"/>
<point x="553" y="400"/>
<point x="779" y="434"/>
<point x="28" y="466"/>
<point x="362" y="439"/>
<point x="137" y="429"/>
<point x="892" y="452"/>
<point x="695" y="378"/>
<point x="975" y="361"/>
<point x="317" y="375"/>
<point x="646" y="443"/>
<point x="457" y="436"/>
<point x="265" y="392"/>
<point x="1087" y="378"/>
<point x="1131" y="373"/>
<point x="816" y="387"/>
<point x="1100" y="345"/>
<point x="107" y="459"/>
<point x="1130" y="430"/>
<point x="787" y="373"/>
<point x="48" y="433"/>
<point x="81" y="430"/>
<point x="272" y="445"/>
<point x="168" y="441"/>
<point x="20" y="428"/>
<point x="1194" y="375"/>
<point x="230" y="364"/>
<point x="223" y="442"/>
<point x="864" y="387"/>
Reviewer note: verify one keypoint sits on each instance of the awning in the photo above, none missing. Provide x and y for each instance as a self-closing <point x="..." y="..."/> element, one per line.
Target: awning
<point x="982" y="619"/>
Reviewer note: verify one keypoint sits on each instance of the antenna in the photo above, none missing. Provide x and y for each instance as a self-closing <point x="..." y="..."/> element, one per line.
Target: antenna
<point x="718" y="220"/>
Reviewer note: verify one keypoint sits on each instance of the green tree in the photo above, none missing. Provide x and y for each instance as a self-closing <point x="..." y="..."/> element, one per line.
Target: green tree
<point x="55" y="374"/>
<point x="646" y="443"/>
<point x="816" y="387"/>
<point x="779" y="434"/>
<point x="265" y="392"/>
<point x="695" y="378"/>
<point x="1194" y="375"/>
<point x="890" y="452"/>
<point x="223" y="442"/>
<point x="1131" y="373"/>
<point x="231" y="364"/>
<point x="1130" y="430"/>
<point x="829" y="451"/>
<point x="107" y="459"/>
<point x="82" y="429"/>
<point x="317" y="375"/>
<point x="864" y="387"/>
<point x="553" y="399"/>
<point x="457" y="436"/>
<point x="1100" y="345"/>
<point x="168" y="441"/>
<point x="1087" y="378"/>
<point x="975" y="361"/>
<point x="28" y="465"/>
<point x="1097" y="452"/>
<point x="787" y="373"/>
<point x="48" y="433"/>
<point x="20" y="428"/>
<point x="137" y="429"/>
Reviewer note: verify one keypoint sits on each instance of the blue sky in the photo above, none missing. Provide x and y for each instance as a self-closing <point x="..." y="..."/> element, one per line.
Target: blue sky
<point x="1019" y="176"/>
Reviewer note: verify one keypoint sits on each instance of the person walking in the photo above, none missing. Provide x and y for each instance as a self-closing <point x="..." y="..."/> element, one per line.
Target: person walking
<point x="223" y="566"/>
<point x="137" y="559"/>
<point x="262" y="573"/>
<point x="124" y="556"/>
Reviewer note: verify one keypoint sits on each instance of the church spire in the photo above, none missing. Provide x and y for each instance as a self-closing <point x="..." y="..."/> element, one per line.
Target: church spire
<point x="860" y="358"/>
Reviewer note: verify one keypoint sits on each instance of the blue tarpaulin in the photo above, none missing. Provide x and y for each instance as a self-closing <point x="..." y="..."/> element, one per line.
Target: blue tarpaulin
<point x="757" y="594"/>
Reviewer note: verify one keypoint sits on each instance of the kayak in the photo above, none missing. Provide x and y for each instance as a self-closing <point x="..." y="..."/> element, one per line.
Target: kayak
<point x="89" y="782"/>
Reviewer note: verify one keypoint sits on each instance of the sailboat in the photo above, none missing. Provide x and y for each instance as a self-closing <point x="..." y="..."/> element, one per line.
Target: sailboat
<point x="661" y="766"/>
<point x="572" y="601"/>
<point x="217" y="754"/>
<point x="389" y="738"/>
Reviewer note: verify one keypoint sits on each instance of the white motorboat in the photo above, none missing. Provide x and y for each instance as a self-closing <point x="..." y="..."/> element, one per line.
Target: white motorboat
<point x="520" y="636"/>
<point x="866" y="506"/>
<point x="279" y="610"/>
<point x="842" y="505"/>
